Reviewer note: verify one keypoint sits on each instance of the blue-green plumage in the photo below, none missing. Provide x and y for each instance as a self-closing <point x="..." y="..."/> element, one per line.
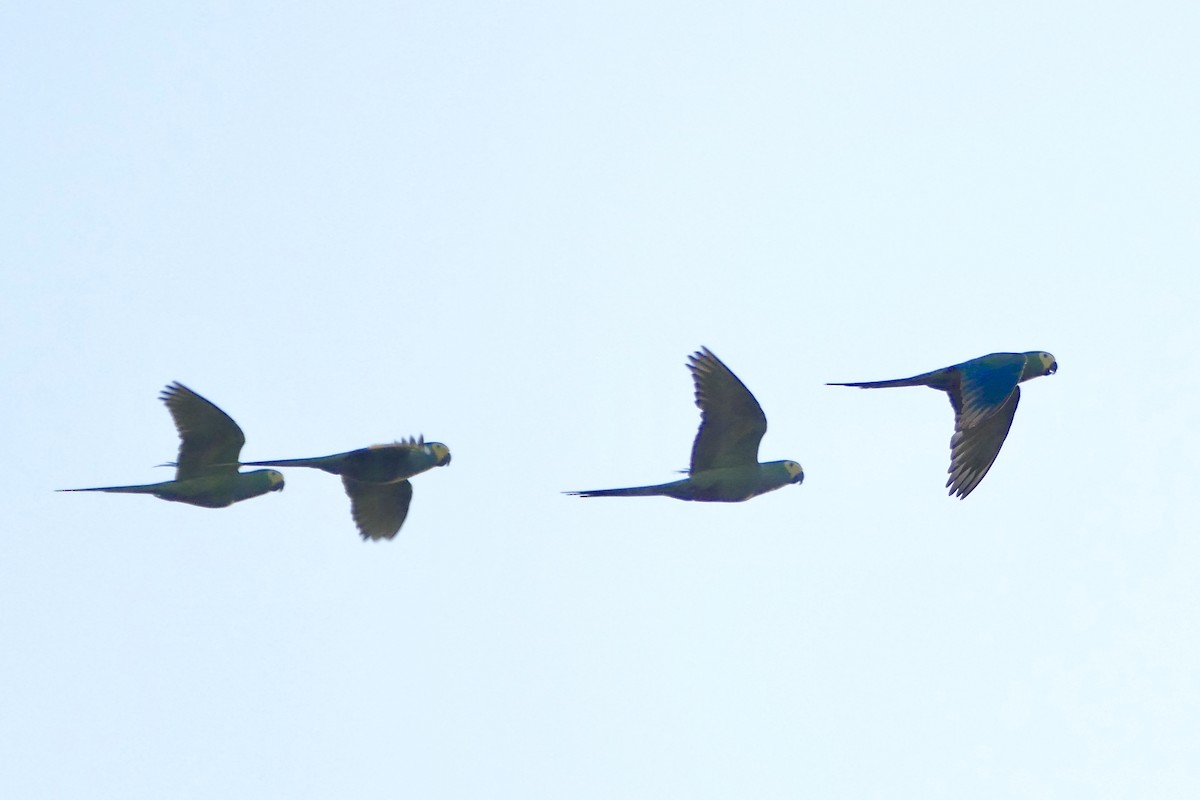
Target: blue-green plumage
<point x="376" y="480"/>
<point x="380" y="463"/>
<point x="721" y="485"/>
<point x="984" y="394"/>
<point x="724" y="466"/>
<point x="206" y="471"/>
<point x="212" y="491"/>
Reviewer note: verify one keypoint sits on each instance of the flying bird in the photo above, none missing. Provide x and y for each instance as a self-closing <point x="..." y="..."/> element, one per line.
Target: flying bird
<point x="984" y="394"/>
<point x="724" y="467"/>
<point x="376" y="479"/>
<point x="206" y="471"/>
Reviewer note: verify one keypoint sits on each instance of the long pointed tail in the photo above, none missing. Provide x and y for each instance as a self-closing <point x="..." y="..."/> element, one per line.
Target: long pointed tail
<point x="317" y="463"/>
<point x="884" y="384"/>
<point x="633" y="491"/>
<point x="937" y="379"/>
<point x="144" y="489"/>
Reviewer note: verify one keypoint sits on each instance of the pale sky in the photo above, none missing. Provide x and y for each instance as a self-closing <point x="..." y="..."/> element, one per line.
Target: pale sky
<point x="505" y="227"/>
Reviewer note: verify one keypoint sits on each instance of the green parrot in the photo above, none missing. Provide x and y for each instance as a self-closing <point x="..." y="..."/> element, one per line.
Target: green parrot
<point x="984" y="394"/>
<point x="206" y="473"/>
<point x="376" y="479"/>
<point x="725" y="467"/>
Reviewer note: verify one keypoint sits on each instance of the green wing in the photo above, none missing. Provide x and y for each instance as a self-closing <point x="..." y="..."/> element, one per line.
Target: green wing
<point x="974" y="447"/>
<point x="731" y="421"/>
<point x="378" y="509"/>
<point x="210" y="442"/>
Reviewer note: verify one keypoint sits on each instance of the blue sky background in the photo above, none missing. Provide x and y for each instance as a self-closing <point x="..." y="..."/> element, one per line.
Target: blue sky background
<point x="505" y="226"/>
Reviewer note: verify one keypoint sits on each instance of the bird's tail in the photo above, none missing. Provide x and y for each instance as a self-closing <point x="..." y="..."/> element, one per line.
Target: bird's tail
<point x="318" y="463"/>
<point x="882" y="384"/>
<point x="633" y="491"/>
<point x="936" y="379"/>
<point x="143" y="489"/>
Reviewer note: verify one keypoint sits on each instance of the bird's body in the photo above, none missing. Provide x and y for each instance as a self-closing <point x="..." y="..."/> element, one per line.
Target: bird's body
<point x="724" y="466"/>
<point x="380" y="463"/>
<point x="206" y="473"/>
<point x="207" y="492"/>
<point x="376" y="480"/>
<point x="722" y="485"/>
<point x="984" y="394"/>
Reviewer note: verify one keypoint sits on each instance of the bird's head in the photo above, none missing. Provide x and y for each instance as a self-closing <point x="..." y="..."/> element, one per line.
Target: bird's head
<point x="1037" y="364"/>
<point x="795" y="471"/>
<point x="440" y="452"/>
<point x="1048" y="363"/>
<point x="274" y="480"/>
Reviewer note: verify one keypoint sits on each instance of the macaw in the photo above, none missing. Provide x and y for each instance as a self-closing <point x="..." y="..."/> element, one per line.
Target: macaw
<point x="206" y="472"/>
<point x="725" y="466"/>
<point x="376" y="479"/>
<point x="984" y="394"/>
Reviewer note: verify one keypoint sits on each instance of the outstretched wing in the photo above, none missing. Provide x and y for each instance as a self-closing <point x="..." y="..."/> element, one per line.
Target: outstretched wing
<point x="974" y="448"/>
<point x="210" y="442"/>
<point x="731" y="421"/>
<point x="378" y="509"/>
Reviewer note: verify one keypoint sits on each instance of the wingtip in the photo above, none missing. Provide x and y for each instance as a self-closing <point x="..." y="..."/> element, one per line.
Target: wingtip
<point x="171" y="389"/>
<point x="696" y="359"/>
<point x="958" y="490"/>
